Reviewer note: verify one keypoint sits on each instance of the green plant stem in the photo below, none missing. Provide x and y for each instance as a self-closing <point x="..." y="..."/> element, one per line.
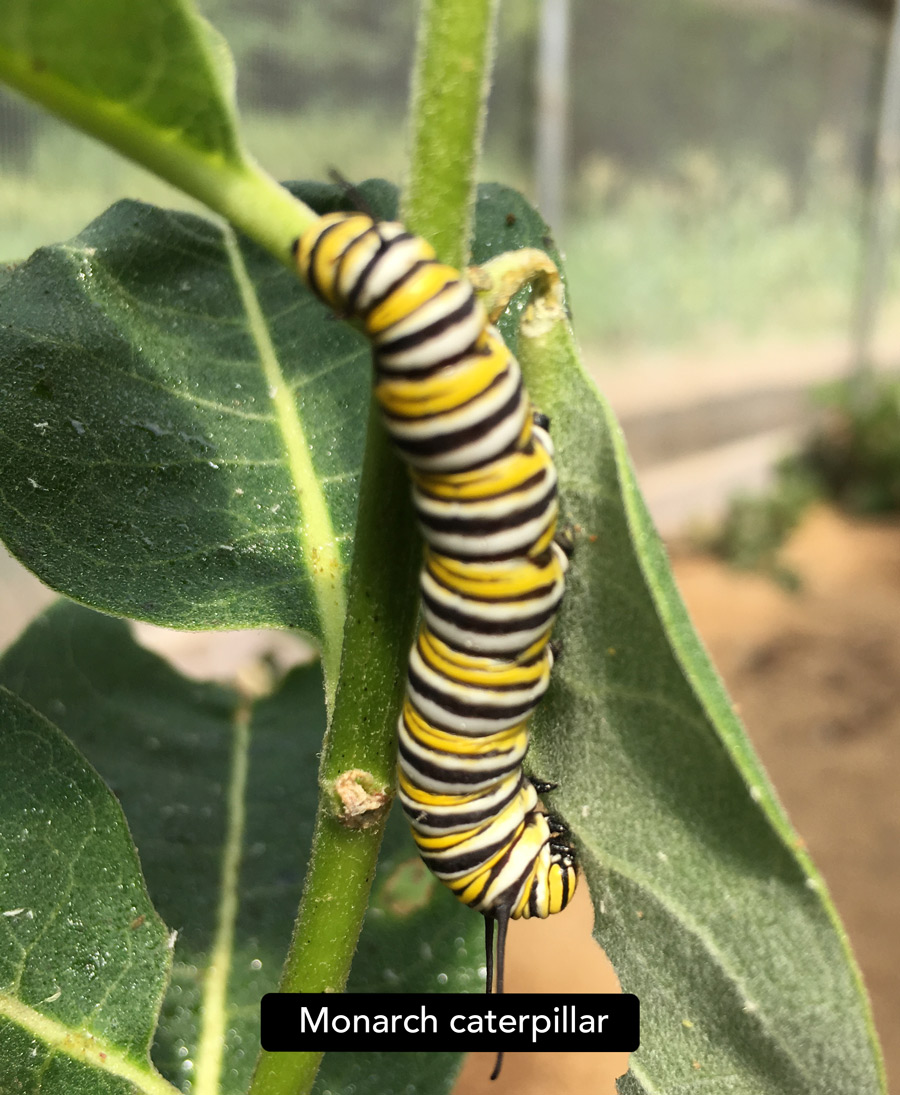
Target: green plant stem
<point x="449" y="99"/>
<point x="381" y="616"/>
<point x="382" y="597"/>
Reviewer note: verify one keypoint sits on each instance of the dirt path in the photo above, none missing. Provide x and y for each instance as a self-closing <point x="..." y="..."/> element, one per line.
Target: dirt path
<point x="816" y="677"/>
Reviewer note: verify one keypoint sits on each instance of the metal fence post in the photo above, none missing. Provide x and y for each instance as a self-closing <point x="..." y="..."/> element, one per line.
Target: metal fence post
<point x="552" y="111"/>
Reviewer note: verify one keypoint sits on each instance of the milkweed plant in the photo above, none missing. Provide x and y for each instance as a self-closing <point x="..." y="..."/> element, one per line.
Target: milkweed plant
<point x="186" y="440"/>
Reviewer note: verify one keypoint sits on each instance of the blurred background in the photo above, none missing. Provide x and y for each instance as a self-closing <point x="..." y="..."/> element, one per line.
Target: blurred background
<point x="722" y="178"/>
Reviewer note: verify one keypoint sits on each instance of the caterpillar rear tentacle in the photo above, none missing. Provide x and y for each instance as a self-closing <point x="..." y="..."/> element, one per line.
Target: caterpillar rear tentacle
<point x="501" y="916"/>
<point x="485" y="492"/>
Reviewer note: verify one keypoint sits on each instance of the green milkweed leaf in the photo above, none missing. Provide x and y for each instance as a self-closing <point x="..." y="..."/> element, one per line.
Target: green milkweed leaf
<point x="179" y="432"/>
<point x="220" y="794"/>
<point x="84" y="958"/>
<point x="164" y="76"/>
<point x="156" y="82"/>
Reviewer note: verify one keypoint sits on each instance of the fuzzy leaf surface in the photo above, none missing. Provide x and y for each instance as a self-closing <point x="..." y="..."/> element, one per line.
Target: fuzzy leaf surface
<point x="706" y="904"/>
<point x="84" y="958"/>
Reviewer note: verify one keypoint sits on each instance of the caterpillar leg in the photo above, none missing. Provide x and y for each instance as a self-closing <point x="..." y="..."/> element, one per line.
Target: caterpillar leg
<point x="543" y="787"/>
<point x="565" y="540"/>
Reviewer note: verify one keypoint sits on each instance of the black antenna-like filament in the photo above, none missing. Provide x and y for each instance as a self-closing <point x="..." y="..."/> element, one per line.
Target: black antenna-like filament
<point x="501" y="916"/>
<point x="352" y="191"/>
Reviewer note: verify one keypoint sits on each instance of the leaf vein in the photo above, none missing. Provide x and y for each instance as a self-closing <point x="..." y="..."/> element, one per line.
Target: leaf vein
<point x="697" y="930"/>
<point x="211" y="1041"/>
<point x="81" y="1045"/>
<point x="315" y="533"/>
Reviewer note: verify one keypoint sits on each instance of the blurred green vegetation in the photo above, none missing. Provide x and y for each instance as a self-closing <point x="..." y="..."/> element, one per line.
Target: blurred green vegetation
<point x="855" y="454"/>
<point x="705" y="249"/>
<point x="752" y="79"/>
<point x="756" y="526"/>
<point x="717" y="165"/>
<point x="852" y="458"/>
<point x="713" y="248"/>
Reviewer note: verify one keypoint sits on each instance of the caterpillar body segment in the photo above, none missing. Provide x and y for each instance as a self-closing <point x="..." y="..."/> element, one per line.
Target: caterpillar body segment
<point x="500" y="609"/>
<point x="485" y="492"/>
<point x="505" y="510"/>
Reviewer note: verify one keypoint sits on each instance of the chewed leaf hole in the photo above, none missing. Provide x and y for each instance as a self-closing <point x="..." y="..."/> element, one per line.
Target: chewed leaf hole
<point x="407" y="888"/>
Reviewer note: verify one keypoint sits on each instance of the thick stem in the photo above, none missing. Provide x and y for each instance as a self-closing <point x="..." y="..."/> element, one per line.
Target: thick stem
<point x="340" y="859"/>
<point x="360" y="741"/>
<point x="382" y="597"/>
<point x="449" y="100"/>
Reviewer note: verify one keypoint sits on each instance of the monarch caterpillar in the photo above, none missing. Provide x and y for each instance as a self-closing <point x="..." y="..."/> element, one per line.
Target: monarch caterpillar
<point x="485" y="492"/>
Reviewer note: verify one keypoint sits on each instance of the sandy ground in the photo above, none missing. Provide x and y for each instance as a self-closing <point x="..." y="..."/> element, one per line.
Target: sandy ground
<point x="816" y="677"/>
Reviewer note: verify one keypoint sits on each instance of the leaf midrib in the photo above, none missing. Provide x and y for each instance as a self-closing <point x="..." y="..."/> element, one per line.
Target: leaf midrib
<point x="214" y="1010"/>
<point x="315" y="532"/>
